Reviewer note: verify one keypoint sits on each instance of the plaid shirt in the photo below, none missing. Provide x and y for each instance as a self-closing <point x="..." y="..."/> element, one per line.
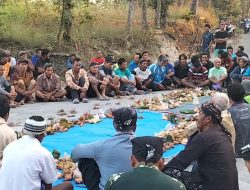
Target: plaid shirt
<point x="73" y="80"/>
<point x="45" y="84"/>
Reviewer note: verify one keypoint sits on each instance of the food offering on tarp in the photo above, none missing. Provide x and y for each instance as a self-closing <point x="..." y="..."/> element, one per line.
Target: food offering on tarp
<point x="171" y="100"/>
<point x="69" y="170"/>
<point x="64" y="124"/>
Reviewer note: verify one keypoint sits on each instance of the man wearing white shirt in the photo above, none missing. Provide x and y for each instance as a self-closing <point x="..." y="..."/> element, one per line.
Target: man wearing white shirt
<point x="26" y="165"/>
<point x="143" y="76"/>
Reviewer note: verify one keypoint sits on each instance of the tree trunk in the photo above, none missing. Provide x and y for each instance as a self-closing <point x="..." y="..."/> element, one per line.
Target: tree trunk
<point x="144" y="15"/>
<point x="180" y="3"/>
<point x="194" y="6"/>
<point x="164" y="13"/>
<point x="158" y="14"/>
<point x="131" y="8"/>
<point x="66" y="21"/>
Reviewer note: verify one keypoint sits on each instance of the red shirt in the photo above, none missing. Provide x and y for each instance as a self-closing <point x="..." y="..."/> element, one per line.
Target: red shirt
<point x="99" y="60"/>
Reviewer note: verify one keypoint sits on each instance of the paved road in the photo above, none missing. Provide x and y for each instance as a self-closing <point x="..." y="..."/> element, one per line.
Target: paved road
<point x="47" y="110"/>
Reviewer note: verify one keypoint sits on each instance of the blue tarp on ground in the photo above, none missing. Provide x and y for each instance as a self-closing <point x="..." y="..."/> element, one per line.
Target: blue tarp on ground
<point x="151" y="123"/>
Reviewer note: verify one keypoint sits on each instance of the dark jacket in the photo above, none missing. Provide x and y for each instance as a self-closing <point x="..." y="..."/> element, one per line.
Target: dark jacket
<point x="236" y="73"/>
<point x="240" y="113"/>
<point x="215" y="158"/>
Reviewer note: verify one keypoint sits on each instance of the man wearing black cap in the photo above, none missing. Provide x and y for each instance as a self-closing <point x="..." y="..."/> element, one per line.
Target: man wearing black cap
<point x="99" y="160"/>
<point x="26" y="164"/>
<point x="147" y="162"/>
<point x="24" y="82"/>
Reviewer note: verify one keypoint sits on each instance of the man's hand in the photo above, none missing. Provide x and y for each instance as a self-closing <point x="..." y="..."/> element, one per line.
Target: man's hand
<point x="11" y="96"/>
<point x="28" y="93"/>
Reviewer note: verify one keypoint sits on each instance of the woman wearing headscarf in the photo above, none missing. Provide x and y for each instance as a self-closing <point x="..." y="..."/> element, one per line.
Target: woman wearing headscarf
<point x="213" y="151"/>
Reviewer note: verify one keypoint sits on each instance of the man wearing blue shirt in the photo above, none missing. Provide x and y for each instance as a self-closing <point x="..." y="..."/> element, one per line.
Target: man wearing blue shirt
<point x="99" y="160"/>
<point x="134" y="63"/>
<point x="70" y="61"/>
<point x="36" y="57"/>
<point x="162" y="73"/>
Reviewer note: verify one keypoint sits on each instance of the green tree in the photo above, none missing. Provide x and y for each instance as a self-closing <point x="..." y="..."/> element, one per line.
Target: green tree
<point x="225" y="8"/>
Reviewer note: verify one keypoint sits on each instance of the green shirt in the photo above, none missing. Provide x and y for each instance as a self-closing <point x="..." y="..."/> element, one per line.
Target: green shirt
<point x="120" y="73"/>
<point x="217" y="72"/>
<point x="143" y="177"/>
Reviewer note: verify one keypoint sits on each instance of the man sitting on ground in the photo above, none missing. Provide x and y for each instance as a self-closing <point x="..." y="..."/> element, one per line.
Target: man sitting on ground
<point x="36" y="165"/>
<point x="146" y="57"/>
<point x="127" y="79"/>
<point x="70" y="61"/>
<point x="6" y="88"/>
<point x="231" y="53"/>
<point x="24" y="55"/>
<point x="39" y="67"/>
<point x="48" y="86"/>
<point x="97" y="161"/>
<point x="7" y="135"/>
<point x="197" y="75"/>
<point x="206" y="62"/>
<point x="160" y="72"/>
<point x="37" y="56"/>
<point x="24" y="83"/>
<point x="217" y="75"/>
<point x="241" y="50"/>
<point x="181" y="70"/>
<point x="143" y="76"/>
<point x="114" y="81"/>
<point x="237" y="74"/>
<point x="135" y="62"/>
<point x="147" y="162"/>
<point x="98" y="83"/>
<point x="99" y="58"/>
<point x="77" y="82"/>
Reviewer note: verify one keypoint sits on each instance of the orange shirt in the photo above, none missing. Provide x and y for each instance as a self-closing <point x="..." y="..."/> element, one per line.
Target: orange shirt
<point x="7" y="67"/>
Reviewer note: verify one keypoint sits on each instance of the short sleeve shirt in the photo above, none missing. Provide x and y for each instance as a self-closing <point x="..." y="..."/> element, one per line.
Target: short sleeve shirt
<point x="35" y="164"/>
<point x="125" y="73"/>
<point x="221" y="35"/>
<point x="143" y="75"/>
<point x="217" y="72"/>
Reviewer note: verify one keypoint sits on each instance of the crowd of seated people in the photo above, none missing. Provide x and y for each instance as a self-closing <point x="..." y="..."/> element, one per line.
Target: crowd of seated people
<point x="26" y="80"/>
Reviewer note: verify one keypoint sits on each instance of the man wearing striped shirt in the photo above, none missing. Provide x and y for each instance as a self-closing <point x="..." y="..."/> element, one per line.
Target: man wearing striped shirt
<point x="197" y="74"/>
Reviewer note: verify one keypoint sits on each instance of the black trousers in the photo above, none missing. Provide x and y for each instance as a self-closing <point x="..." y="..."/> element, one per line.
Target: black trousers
<point x="90" y="173"/>
<point x="191" y="180"/>
<point x="75" y="94"/>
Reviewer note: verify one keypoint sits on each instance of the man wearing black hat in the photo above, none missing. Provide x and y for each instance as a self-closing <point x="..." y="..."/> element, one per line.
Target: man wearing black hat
<point x="24" y="82"/>
<point x="147" y="162"/>
<point x="99" y="160"/>
<point x="26" y="164"/>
